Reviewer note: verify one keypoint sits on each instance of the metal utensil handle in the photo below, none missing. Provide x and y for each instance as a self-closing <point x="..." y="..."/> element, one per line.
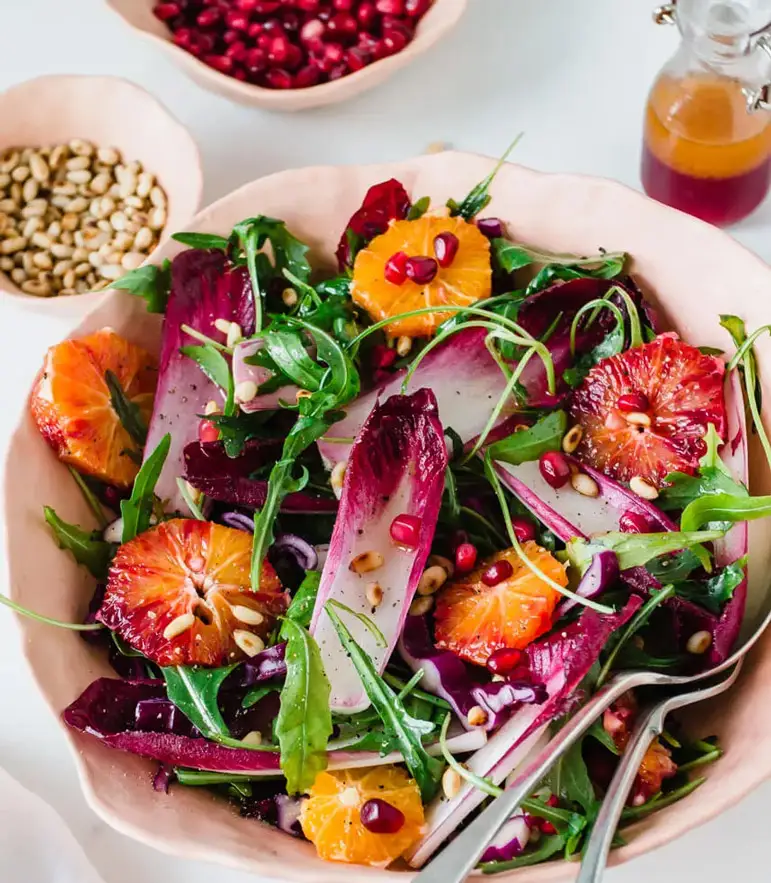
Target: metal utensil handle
<point x="650" y="725"/>
<point x="460" y="857"/>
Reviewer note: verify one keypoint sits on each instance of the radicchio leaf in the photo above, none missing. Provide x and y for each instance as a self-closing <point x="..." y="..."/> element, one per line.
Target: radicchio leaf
<point x="383" y="202"/>
<point x="397" y="466"/>
<point x="204" y="287"/>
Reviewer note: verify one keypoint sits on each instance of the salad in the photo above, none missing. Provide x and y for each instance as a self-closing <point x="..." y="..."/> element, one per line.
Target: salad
<point x="365" y="539"/>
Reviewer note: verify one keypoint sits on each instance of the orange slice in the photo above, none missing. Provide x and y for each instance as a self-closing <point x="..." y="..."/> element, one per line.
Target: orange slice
<point x="331" y="817"/>
<point x="72" y="408"/>
<point x="467" y="279"/>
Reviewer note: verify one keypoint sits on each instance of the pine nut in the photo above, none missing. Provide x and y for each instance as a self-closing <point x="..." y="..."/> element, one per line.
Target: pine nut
<point x="211" y="408"/>
<point x="643" y="488"/>
<point x="118" y="221"/>
<point x="77" y="163"/>
<point x="178" y="625"/>
<point x="37" y="287"/>
<point x="572" y="439"/>
<point x="699" y="643"/>
<point x="157" y="219"/>
<point x="245" y="391"/>
<point x="442" y="562"/>
<point x="11" y="246"/>
<point x="585" y="485"/>
<point x="38" y="168"/>
<point x="158" y="197"/>
<point x="81" y="176"/>
<point x="432" y="579"/>
<point x="6" y="264"/>
<point x="403" y="346"/>
<point x="43" y="260"/>
<point x="234" y="334"/>
<point x="144" y="238"/>
<point x="111" y="271"/>
<point x="68" y="280"/>
<point x="19" y="275"/>
<point x="421" y="605"/>
<point x="477" y="716"/>
<point x="81" y="148"/>
<point x="374" y="594"/>
<point x="144" y="185"/>
<point x="30" y="190"/>
<point x="638" y="418"/>
<point x="253" y="737"/>
<point x="222" y="325"/>
<point x="366" y="562"/>
<point x="451" y="783"/>
<point x="59" y="250"/>
<point x="31" y="227"/>
<point x="289" y="297"/>
<point x="251" y="644"/>
<point x="77" y="205"/>
<point x="70" y="222"/>
<point x="247" y="614"/>
<point x="100" y="183"/>
<point x="20" y="174"/>
<point x="337" y="478"/>
<point x="108" y="155"/>
<point x="132" y="259"/>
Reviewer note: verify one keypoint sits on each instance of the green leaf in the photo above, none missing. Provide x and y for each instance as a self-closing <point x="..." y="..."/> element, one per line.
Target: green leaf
<point x="632" y="813"/>
<point x="304" y="723"/>
<point x="724" y="508"/>
<point x="479" y="197"/>
<point x="194" y="691"/>
<point x="92" y="501"/>
<point x="569" y="779"/>
<point x="213" y="364"/>
<point x="257" y="693"/>
<point x="87" y="547"/>
<point x="404" y="730"/>
<point x="598" y="732"/>
<point x="419" y="208"/>
<point x="137" y="510"/>
<point x="149" y="282"/>
<point x="547" y="847"/>
<point x="509" y="256"/>
<point x="202" y="240"/>
<point x="714" y="592"/>
<point x="675" y="567"/>
<point x="301" y="608"/>
<point x="635" y="550"/>
<point x="192" y="505"/>
<point x="286" y="348"/>
<point x="128" y="412"/>
<point x="530" y="443"/>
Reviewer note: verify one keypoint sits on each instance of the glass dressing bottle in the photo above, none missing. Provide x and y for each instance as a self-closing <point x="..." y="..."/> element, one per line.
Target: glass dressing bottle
<point x="707" y="135"/>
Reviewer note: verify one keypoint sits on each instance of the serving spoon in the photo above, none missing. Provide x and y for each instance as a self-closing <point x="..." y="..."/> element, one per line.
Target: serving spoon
<point x="456" y="861"/>
<point x="649" y="725"/>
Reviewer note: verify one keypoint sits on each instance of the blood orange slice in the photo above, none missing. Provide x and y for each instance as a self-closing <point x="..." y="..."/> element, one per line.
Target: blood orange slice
<point x="677" y="392"/>
<point x="466" y="279"/>
<point x="72" y="407"/>
<point x="366" y="817"/>
<point x="180" y="594"/>
<point x="474" y="619"/>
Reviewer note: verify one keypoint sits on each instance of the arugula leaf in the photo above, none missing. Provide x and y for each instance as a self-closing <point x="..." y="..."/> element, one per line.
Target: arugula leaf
<point x="598" y="732"/>
<point x="405" y="731"/>
<point x="569" y="779"/>
<point x="658" y="802"/>
<point x="304" y="723"/>
<point x="547" y="847"/>
<point x="610" y="345"/>
<point x="238" y="428"/>
<point x="511" y="256"/>
<point x="137" y="510"/>
<point x="257" y="693"/>
<point x="674" y="568"/>
<point x="724" y="508"/>
<point x="194" y="691"/>
<point x="530" y="443"/>
<point x="92" y="501"/>
<point x="713" y="593"/>
<point x="149" y="282"/>
<point x="634" y="550"/>
<point x="211" y="361"/>
<point x="479" y="197"/>
<point x="128" y="412"/>
<point x="202" y="240"/>
<point x="419" y="208"/>
<point x="286" y="348"/>
<point x="301" y="608"/>
<point x="87" y="547"/>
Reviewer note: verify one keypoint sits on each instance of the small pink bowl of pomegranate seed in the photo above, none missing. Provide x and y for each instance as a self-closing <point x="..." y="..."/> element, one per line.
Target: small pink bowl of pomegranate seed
<point x="291" y="54"/>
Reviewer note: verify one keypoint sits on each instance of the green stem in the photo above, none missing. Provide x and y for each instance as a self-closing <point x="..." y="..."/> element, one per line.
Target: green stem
<point x="195" y="508"/>
<point x="197" y="335"/>
<point x="72" y="626"/>
<point x="91" y="501"/>
<point x="632" y="813"/>
<point x="399" y="684"/>
<point x="479" y="782"/>
<point x="635" y="328"/>
<point x="600" y="303"/>
<point x="713" y="755"/>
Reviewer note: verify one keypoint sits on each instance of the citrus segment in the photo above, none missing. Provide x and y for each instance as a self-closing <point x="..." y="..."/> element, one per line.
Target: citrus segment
<point x="682" y="391"/>
<point x="180" y="594"/>
<point x="73" y="410"/>
<point x="331" y="816"/>
<point x="475" y="619"/>
<point x="465" y="280"/>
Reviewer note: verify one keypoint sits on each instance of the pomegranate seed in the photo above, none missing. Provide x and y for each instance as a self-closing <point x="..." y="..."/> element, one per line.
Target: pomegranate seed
<point x="278" y="78"/>
<point x="236" y="20"/>
<point x="394" y="41"/>
<point x="492" y="228"/>
<point x="312" y="31"/>
<point x="504" y="661"/>
<point x="338" y="71"/>
<point x="255" y="60"/>
<point x="381" y="817"/>
<point x="165" y="11"/>
<point x="264" y="42"/>
<point x="343" y="25"/>
<point x="382" y="356"/>
<point x="497" y="573"/>
<point x="265" y="7"/>
<point x="396" y="268"/>
<point x="417" y="8"/>
<point x="246" y="5"/>
<point x="290" y="21"/>
<point x="421" y="269"/>
<point x="547" y="827"/>
<point x="221" y="63"/>
<point x="183" y="38"/>
<point x="307" y="76"/>
<point x="405" y="530"/>
<point x="273" y="27"/>
<point x="367" y="15"/>
<point x="236" y="51"/>
<point x="207" y="432"/>
<point x="389" y="7"/>
<point x="208" y="17"/>
<point x="255" y="29"/>
<point x="555" y="469"/>
<point x="356" y="59"/>
<point x="553" y="800"/>
<point x="325" y="15"/>
<point x="634" y="522"/>
<point x="465" y="557"/>
<point x="333" y="53"/>
<point x="342" y="5"/>
<point x="307" y="5"/>
<point x="633" y="401"/>
<point x="282" y="53"/>
<point x="445" y="248"/>
<point x="524" y="529"/>
<point x="231" y="36"/>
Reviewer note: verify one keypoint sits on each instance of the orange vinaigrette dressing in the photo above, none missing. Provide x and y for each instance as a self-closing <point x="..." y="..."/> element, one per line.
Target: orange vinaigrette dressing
<point x="703" y="153"/>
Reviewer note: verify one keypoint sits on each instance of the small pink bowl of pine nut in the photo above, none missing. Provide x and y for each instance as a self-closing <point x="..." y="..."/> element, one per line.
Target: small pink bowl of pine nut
<point x="291" y="54"/>
<point x="89" y="185"/>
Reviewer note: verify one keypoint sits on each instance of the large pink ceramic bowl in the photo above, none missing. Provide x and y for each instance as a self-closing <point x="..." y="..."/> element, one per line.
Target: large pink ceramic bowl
<point x="692" y="271"/>
<point x="438" y="21"/>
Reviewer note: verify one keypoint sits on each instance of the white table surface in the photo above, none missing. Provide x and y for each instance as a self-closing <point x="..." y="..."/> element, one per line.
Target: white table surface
<point x="573" y="75"/>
